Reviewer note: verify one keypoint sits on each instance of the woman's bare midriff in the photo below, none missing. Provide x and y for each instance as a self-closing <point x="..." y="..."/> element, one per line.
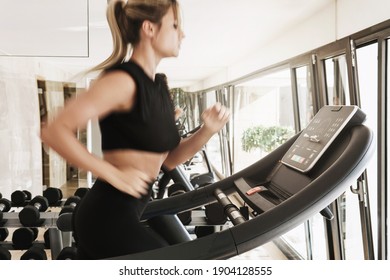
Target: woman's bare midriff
<point x="148" y="162"/>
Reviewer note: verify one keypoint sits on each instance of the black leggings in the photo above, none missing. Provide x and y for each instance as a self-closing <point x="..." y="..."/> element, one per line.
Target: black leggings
<point x="107" y="224"/>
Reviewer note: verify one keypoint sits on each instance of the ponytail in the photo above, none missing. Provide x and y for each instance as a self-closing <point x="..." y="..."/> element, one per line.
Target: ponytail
<point x="125" y="19"/>
<point x="115" y="17"/>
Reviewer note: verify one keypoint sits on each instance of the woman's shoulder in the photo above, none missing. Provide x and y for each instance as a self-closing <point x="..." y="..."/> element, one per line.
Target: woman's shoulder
<point x="132" y="69"/>
<point x="129" y="67"/>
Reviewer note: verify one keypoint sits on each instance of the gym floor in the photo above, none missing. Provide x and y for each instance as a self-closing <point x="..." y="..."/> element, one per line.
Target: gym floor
<point x="266" y="252"/>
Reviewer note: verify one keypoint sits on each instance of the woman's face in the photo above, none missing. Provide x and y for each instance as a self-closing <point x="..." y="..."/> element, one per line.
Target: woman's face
<point x="168" y="39"/>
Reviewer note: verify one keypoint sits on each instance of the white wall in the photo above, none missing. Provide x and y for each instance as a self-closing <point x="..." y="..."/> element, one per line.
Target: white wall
<point x="20" y="147"/>
<point x="339" y="19"/>
<point x="20" y="154"/>
<point x="356" y="15"/>
<point x="32" y="31"/>
<point x="20" y="144"/>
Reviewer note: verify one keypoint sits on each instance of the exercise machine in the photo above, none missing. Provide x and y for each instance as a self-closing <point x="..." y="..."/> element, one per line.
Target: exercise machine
<point x="284" y="189"/>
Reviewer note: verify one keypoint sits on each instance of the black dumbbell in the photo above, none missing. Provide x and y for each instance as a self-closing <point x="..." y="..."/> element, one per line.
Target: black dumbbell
<point x="30" y="215"/>
<point x="201" y="231"/>
<point x="176" y="189"/>
<point x="4" y="232"/>
<point x="5" y="255"/>
<point x="23" y="238"/>
<point x="34" y="253"/>
<point x="46" y="239"/>
<point x="202" y="180"/>
<point x="53" y="195"/>
<point x="215" y="213"/>
<point x="67" y="253"/>
<point x="80" y="192"/>
<point x="70" y="204"/>
<point x="20" y="198"/>
<point x="5" y="206"/>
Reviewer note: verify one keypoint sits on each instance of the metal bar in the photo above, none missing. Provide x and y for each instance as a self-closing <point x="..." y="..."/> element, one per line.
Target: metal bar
<point x="365" y="216"/>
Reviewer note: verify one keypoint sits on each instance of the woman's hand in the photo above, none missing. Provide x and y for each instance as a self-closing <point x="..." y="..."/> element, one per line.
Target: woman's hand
<point x="215" y="117"/>
<point x="131" y="181"/>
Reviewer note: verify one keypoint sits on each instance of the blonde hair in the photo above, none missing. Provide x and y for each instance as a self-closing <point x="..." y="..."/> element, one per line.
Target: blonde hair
<point x="125" y="19"/>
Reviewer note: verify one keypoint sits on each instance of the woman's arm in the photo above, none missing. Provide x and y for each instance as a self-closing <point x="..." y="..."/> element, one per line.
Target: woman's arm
<point x="214" y="119"/>
<point x="113" y="91"/>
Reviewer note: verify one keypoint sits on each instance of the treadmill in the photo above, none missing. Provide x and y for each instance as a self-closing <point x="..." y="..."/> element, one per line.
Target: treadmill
<point x="284" y="189"/>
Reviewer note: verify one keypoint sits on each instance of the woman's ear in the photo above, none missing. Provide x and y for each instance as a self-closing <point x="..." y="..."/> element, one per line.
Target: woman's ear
<point x="148" y="28"/>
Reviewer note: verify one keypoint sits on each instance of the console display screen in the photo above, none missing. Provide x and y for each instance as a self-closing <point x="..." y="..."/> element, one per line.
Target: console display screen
<point x="319" y="134"/>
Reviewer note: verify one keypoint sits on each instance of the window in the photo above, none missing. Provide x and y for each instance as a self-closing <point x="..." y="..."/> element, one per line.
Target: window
<point x="305" y="100"/>
<point x="263" y="117"/>
<point x="213" y="146"/>
<point x="388" y="129"/>
<point x="337" y="81"/>
<point x="367" y="63"/>
<point x="307" y="240"/>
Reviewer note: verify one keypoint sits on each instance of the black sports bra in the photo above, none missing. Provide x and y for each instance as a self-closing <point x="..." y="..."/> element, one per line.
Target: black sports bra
<point x="150" y="124"/>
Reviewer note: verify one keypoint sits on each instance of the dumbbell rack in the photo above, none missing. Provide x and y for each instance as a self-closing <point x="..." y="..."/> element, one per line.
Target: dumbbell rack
<point x="49" y="221"/>
<point x="55" y="217"/>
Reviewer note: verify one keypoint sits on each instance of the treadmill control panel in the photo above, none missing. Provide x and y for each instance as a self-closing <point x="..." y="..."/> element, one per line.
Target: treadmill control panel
<point x="319" y="135"/>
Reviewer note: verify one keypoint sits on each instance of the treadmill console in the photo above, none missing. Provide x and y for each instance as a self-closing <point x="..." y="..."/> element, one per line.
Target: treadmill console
<point x="319" y="135"/>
